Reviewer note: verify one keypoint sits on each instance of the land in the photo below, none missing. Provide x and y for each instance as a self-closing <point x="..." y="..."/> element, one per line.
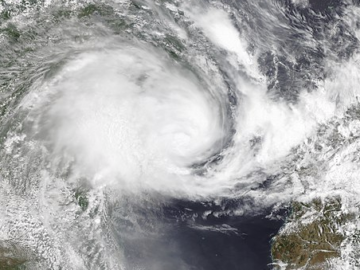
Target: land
<point x="312" y="235"/>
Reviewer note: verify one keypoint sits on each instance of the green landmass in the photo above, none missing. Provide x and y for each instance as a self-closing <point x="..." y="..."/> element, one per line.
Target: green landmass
<point x="10" y="259"/>
<point x="91" y="9"/>
<point x="81" y="199"/>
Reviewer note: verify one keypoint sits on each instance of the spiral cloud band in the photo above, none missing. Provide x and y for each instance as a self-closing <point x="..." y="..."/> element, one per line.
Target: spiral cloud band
<point x="140" y="134"/>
